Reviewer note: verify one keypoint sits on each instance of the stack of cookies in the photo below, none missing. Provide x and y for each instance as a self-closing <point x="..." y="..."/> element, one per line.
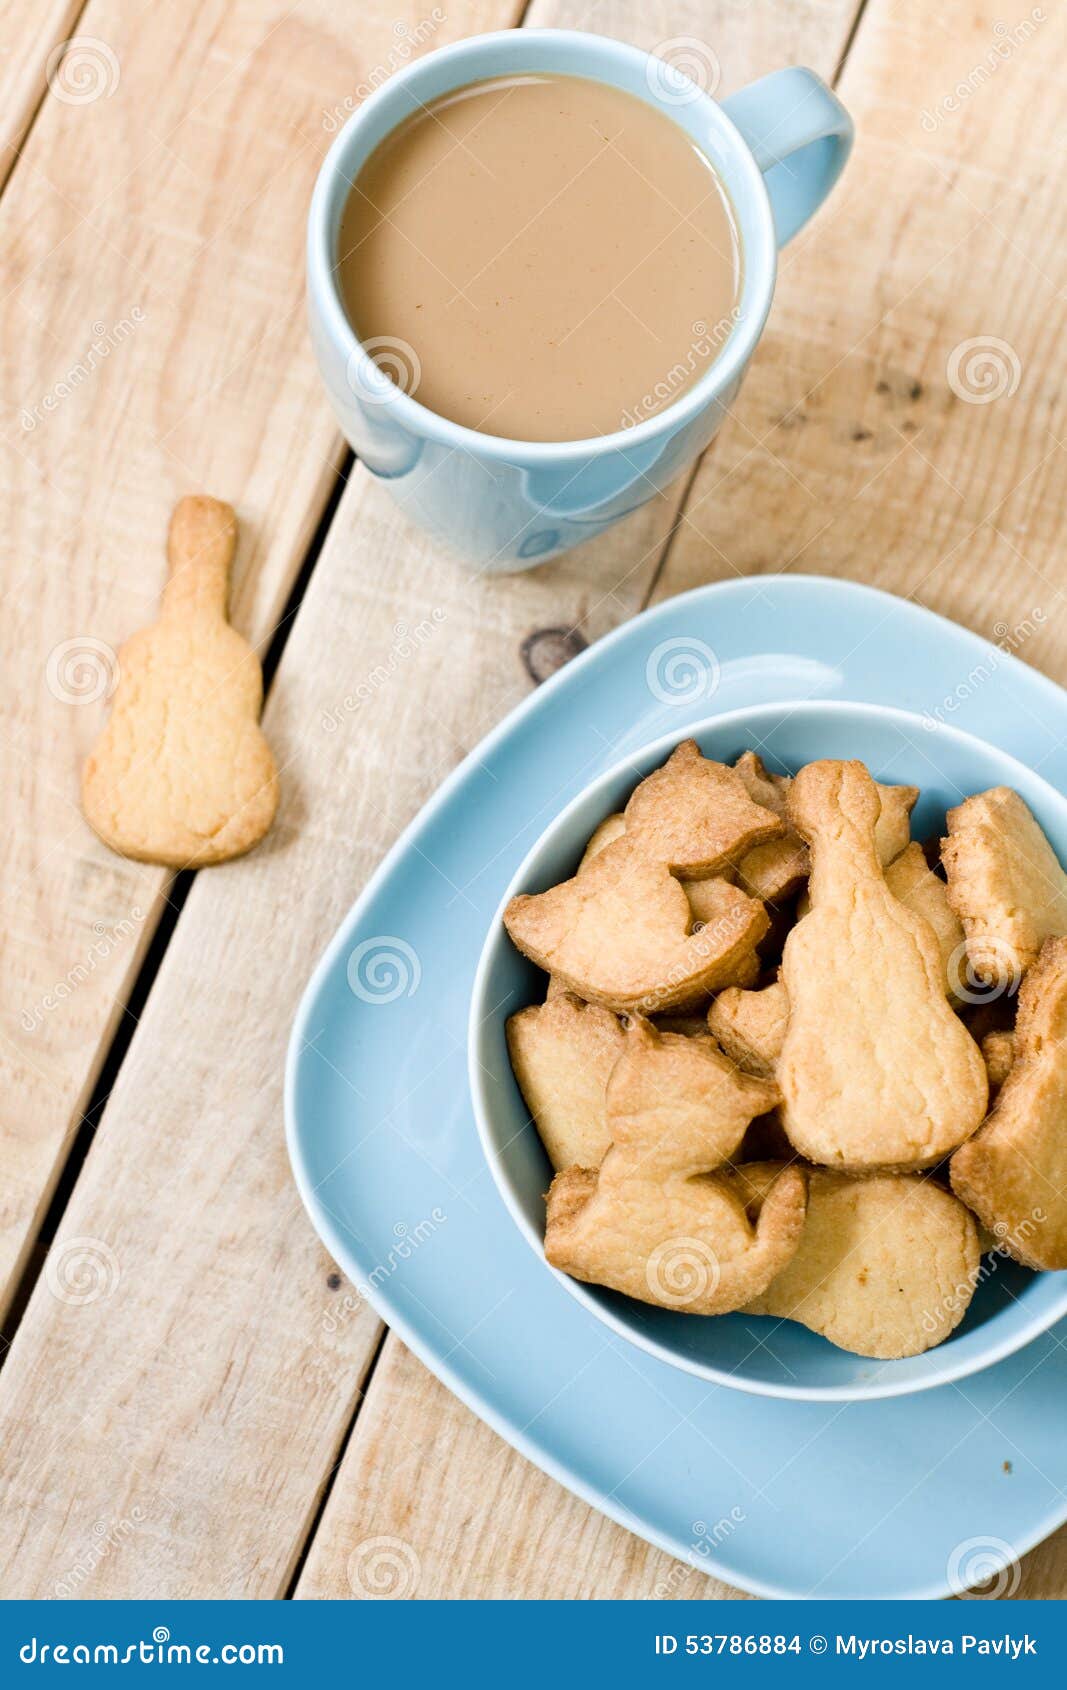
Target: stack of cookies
<point x="790" y="1063"/>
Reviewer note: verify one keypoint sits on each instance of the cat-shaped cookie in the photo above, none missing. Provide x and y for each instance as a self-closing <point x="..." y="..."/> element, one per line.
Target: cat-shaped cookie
<point x="656" y="1221"/>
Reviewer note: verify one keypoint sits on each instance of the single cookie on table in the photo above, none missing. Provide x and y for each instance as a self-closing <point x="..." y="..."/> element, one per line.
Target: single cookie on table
<point x="695" y="815"/>
<point x="875" y="1070"/>
<point x="657" y="1221"/>
<point x="182" y="774"/>
<point x="562" y="1053"/>
<point x="1004" y="882"/>
<point x="1013" y="1172"/>
<point x="910" y="879"/>
<point x="620" y="933"/>
<point x="886" y="1266"/>
<point x="750" y="1026"/>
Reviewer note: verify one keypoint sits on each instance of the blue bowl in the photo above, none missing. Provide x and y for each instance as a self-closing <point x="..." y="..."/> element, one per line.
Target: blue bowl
<point x="757" y="1353"/>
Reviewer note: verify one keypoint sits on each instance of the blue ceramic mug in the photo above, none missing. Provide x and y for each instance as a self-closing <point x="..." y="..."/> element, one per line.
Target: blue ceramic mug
<point x="778" y="147"/>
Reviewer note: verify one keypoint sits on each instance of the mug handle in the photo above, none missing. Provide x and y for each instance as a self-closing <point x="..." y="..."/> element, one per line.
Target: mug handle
<point x="800" y="136"/>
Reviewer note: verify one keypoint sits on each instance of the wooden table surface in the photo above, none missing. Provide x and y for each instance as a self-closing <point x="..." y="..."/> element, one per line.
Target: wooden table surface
<point x="188" y="1406"/>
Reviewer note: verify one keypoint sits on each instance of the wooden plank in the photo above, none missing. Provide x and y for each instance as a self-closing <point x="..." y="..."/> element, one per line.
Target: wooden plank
<point x="30" y="39"/>
<point x="859" y="448"/>
<point x="152" y="342"/>
<point x="1043" y="1573"/>
<point x="443" y="1507"/>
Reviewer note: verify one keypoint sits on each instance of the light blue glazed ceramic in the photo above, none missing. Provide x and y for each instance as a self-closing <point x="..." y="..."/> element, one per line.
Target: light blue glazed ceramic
<point x="784" y="1498"/>
<point x="772" y="1357"/>
<point x="778" y="146"/>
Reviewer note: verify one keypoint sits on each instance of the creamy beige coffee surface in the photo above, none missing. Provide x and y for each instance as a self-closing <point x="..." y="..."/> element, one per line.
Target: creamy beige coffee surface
<point x="540" y="257"/>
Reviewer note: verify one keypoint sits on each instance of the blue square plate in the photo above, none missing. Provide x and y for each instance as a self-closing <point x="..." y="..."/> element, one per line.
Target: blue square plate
<point x="909" y="1496"/>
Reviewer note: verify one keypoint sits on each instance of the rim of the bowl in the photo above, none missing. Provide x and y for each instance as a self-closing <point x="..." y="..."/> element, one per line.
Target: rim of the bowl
<point x="947" y="1371"/>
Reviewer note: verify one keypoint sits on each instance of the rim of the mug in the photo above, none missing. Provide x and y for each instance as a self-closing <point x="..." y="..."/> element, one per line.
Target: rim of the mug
<point x="759" y="261"/>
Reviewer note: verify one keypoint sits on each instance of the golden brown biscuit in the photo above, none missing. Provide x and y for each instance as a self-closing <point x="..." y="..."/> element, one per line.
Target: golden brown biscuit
<point x="778" y="869"/>
<point x="182" y="774"/>
<point x="610" y="829"/>
<point x="892" y="830"/>
<point x="876" y="1070"/>
<point x="1013" y="1172"/>
<point x="1005" y="884"/>
<point x="762" y="784"/>
<point x="710" y="899"/>
<point x="695" y="815"/>
<point x="714" y="901"/>
<point x="706" y="901"/>
<point x="562" y="1054"/>
<point x="774" y="870"/>
<point x="745" y="972"/>
<point x="916" y="885"/>
<point x="620" y="933"/>
<point x="998" y="1054"/>
<point x="750" y="1026"/>
<point x="886" y="1266"/>
<point x="655" y="1221"/>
